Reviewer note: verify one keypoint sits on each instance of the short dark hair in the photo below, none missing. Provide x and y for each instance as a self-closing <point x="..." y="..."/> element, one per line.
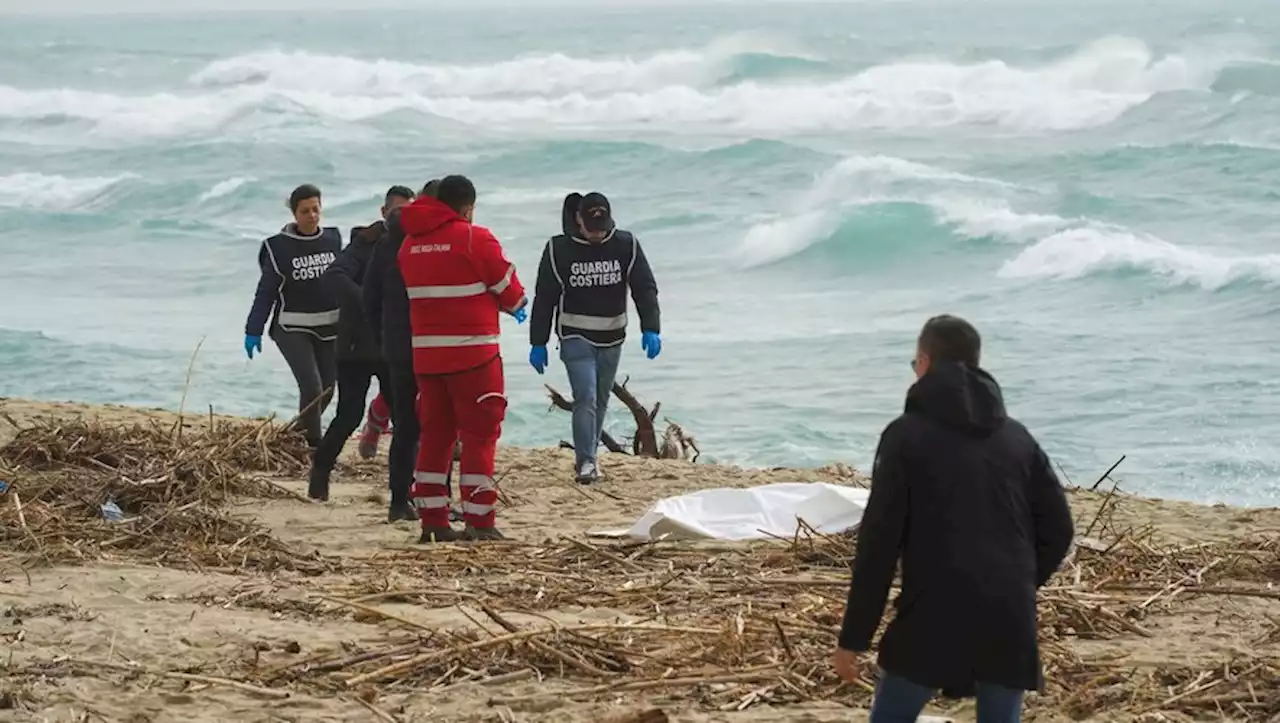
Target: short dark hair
<point x="429" y="188"/>
<point x="398" y="192"/>
<point x="456" y="192"/>
<point x="302" y="193"/>
<point x="947" y="338"/>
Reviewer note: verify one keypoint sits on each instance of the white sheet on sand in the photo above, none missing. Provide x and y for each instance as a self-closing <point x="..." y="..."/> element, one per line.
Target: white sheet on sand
<point x="753" y="513"/>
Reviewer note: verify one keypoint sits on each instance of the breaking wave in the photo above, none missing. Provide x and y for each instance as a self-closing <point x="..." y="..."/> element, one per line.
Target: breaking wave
<point x="39" y="191"/>
<point x="745" y="85"/>
<point x="863" y="207"/>
<point x="1079" y="252"/>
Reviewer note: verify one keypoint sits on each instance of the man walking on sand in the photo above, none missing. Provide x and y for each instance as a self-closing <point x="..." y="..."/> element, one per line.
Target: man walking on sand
<point x="386" y="308"/>
<point x="457" y="279"/>
<point x="582" y="284"/>
<point x="963" y="495"/>
<point x="359" y="354"/>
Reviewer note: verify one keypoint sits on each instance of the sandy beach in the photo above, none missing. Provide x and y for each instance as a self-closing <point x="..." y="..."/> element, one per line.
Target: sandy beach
<point x="1166" y="610"/>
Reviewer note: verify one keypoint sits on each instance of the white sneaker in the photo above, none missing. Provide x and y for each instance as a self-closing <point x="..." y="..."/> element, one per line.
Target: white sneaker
<point x="587" y="473"/>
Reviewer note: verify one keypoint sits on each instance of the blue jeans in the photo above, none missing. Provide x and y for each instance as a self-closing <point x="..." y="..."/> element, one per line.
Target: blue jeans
<point x="591" y="373"/>
<point x="898" y="700"/>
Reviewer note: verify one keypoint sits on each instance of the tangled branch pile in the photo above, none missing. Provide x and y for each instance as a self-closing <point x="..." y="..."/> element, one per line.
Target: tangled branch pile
<point x="730" y="626"/>
<point x="169" y="484"/>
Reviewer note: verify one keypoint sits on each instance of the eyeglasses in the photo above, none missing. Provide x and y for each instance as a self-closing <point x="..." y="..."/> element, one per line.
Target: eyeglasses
<point x="914" y="363"/>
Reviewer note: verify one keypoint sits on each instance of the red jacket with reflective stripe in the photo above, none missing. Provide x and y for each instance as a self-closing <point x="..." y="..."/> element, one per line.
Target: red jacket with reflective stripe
<point x="458" y="279"/>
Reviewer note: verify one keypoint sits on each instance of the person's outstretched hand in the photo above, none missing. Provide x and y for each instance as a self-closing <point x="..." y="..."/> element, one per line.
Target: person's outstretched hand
<point x="520" y="315"/>
<point x="538" y="358"/>
<point x="651" y="343"/>
<point x="252" y="344"/>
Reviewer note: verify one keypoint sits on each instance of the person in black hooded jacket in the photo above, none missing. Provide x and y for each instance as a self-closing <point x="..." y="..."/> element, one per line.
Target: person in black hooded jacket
<point x="386" y="308"/>
<point x="583" y="281"/>
<point x="359" y="356"/>
<point x="965" y="497"/>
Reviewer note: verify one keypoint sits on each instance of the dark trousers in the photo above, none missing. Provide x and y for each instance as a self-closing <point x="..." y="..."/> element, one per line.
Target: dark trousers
<point x="354" y="378"/>
<point x="314" y="368"/>
<point x="401" y="393"/>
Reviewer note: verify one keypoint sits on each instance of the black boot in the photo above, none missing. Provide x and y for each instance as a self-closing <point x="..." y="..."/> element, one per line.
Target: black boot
<point x="318" y="484"/>
<point x="401" y="511"/>
<point x="482" y="534"/>
<point x="438" y="534"/>
<point x="401" y="507"/>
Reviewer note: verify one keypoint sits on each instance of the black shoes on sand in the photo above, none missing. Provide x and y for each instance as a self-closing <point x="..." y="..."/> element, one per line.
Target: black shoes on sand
<point x="470" y="534"/>
<point x="318" y="485"/>
<point x="401" y="512"/>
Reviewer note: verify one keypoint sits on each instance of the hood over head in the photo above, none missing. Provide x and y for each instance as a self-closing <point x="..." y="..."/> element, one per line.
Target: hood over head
<point x="425" y="215"/>
<point x="959" y="396"/>
<point x="569" y="214"/>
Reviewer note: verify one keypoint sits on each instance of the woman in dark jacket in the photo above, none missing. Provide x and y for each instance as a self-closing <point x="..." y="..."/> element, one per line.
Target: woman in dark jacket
<point x="359" y="354"/>
<point x="303" y="316"/>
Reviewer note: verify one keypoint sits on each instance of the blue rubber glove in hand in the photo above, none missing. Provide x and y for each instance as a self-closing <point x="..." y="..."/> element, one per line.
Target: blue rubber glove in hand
<point x="251" y="344"/>
<point x="651" y="343"/>
<point x="520" y="315"/>
<point x="538" y="358"/>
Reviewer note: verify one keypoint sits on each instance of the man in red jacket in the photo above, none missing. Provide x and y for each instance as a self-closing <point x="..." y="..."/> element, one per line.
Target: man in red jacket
<point x="457" y="279"/>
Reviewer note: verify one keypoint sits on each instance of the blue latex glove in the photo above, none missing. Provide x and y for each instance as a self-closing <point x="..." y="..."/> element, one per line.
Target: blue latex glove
<point x="520" y="315"/>
<point x="251" y="344"/>
<point x="651" y="343"/>
<point x="538" y="358"/>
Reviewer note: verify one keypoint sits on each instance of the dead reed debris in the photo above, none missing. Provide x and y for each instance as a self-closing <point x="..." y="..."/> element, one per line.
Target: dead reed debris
<point x="169" y="490"/>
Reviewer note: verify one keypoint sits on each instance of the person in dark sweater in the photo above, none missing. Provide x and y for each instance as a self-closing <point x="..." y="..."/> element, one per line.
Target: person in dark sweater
<point x="967" y="500"/>
<point x="303" y="316"/>
<point x="359" y="353"/>
<point x="582" y="286"/>
<point x="386" y="308"/>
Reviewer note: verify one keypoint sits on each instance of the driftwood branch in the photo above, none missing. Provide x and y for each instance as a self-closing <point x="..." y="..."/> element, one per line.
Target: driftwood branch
<point x="1107" y="474"/>
<point x="559" y="402"/>
<point x="675" y="443"/>
<point x="645" y="443"/>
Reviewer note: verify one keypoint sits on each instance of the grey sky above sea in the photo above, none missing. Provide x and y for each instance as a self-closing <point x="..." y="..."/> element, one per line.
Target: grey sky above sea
<point x="99" y="7"/>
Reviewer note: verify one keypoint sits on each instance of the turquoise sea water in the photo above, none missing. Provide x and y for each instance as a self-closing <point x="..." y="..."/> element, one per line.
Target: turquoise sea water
<point x="1095" y="186"/>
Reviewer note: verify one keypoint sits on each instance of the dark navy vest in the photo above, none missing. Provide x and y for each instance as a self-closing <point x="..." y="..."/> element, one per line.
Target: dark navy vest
<point x="303" y="303"/>
<point x="593" y="279"/>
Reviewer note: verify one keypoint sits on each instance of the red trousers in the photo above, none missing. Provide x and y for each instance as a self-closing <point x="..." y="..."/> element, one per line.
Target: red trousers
<point x="468" y="407"/>
<point x="380" y="414"/>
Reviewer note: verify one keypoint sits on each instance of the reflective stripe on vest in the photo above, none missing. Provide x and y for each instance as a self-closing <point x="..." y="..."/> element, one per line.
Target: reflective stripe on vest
<point x="593" y="323"/>
<point x="309" y="319"/>
<point x="436" y="342"/>
<point x="446" y="292"/>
